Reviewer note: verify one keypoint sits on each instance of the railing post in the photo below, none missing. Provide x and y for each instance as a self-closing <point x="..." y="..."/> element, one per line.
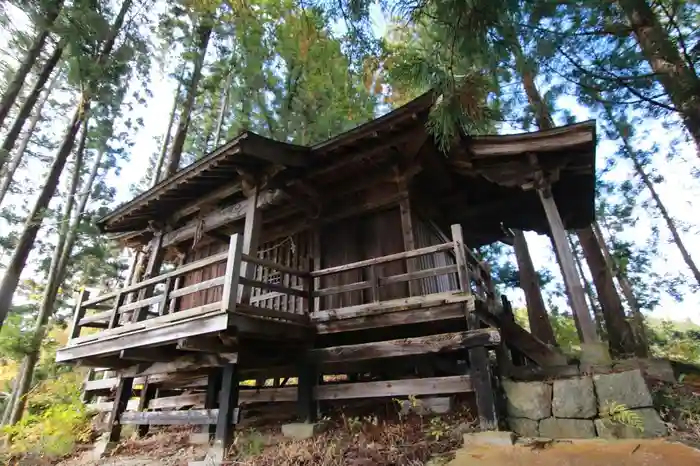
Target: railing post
<point x="233" y="273"/>
<point x="163" y="305"/>
<point x="80" y="297"/>
<point x="114" y="318"/>
<point x="461" y="259"/>
<point x="309" y="287"/>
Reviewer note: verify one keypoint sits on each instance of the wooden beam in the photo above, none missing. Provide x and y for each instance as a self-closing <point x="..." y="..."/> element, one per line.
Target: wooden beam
<point x="393" y="388"/>
<point x="231" y="292"/>
<point x="204" y="201"/>
<point x="383" y="259"/>
<point x="394" y="305"/>
<point x="146" y="354"/>
<point x="165" y="418"/>
<point x="442" y="343"/>
<point x="219" y="218"/>
<point x="207" y="344"/>
<point x="182" y="363"/>
<point x="411" y="316"/>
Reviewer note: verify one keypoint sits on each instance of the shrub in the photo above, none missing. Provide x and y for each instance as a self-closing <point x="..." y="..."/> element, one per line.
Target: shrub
<point x="56" y="420"/>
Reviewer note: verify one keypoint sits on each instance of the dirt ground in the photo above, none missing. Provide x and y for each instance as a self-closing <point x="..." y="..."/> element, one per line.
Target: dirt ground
<point x="583" y="453"/>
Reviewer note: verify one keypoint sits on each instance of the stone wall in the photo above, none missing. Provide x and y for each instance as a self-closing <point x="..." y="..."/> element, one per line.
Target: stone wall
<point x="579" y="407"/>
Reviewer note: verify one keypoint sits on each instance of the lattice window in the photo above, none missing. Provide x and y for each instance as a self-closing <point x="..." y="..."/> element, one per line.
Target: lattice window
<point x="274" y="278"/>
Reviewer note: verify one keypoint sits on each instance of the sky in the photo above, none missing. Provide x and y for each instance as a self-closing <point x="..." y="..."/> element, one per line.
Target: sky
<point x="679" y="190"/>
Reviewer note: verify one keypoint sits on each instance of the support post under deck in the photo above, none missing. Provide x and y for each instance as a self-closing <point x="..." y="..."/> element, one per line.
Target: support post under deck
<point x="211" y="399"/>
<point x="148" y="392"/>
<point x="228" y="413"/>
<point x="124" y="390"/>
<point x="479" y="369"/>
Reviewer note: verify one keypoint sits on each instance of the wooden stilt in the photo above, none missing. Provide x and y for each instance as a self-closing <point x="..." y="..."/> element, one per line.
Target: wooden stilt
<point x="211" y="401"/>
<point x="124" y="390"/>
<point x="228" y="413"/>
<point x="148" y="392"/>
<point x="479" y="368"/>
<point x="480" y="372"/>
<point x="306" y="400"/>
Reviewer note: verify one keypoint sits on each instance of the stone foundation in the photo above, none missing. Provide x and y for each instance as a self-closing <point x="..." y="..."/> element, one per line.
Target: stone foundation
<point x="580" y="407"/>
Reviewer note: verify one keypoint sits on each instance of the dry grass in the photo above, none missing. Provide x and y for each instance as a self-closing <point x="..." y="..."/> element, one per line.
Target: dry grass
<point x="679" y="405"/>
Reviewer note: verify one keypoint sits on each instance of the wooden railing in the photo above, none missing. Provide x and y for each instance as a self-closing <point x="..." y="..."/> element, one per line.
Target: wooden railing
<point x="157" y="297"/>
<point x="477" y="271"/>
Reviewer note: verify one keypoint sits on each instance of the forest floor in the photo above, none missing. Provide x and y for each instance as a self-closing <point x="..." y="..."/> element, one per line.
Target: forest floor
<point x="361" y="436"/>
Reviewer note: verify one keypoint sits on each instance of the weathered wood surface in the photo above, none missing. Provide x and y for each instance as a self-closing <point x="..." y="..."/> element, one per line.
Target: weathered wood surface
<point x="160" y="278"/>
<point x="275" y="266"/>
<point x="391" y="388"/>
<point x="382" y="260"/>
<point x="182" y="363"/>
<point x="404" y="317"/>
<point x="164" y="418"/>
<point x="394" y="305"/>
<point x="256" y="311"/>
<point x="144" y="335"/>
<point x="444" y="342"/>
<point x="517" y="337"/>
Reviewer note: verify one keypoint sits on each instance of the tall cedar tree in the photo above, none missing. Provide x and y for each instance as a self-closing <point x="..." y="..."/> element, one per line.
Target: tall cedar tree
<point x="33" y="224"/>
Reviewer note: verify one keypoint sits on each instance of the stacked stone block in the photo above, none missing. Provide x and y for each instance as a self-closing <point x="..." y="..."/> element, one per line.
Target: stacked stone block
<point x="578" y="407"/>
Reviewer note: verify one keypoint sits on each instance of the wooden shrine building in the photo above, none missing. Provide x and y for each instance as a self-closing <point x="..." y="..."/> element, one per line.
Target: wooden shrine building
<point x="264" y="260"/>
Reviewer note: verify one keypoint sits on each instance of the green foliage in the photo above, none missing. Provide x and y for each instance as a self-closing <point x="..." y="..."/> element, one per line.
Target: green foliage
<point x="58" y="420"/>
<point x="616" y="413"/>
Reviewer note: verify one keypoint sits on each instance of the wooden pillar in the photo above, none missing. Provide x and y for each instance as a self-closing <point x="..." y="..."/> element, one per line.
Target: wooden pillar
<point x="123" y="393"/>
<point x="228" y="413"/>
<point x="251" y="238"/>
<point x="409" y="243"/>
<point x="211" y="399"/>
<point x="307" y="407"/>
<point x="148" y="392"/>
<point x="316" y="232"/>
<point x="568" y="297"/>
<point x="618" y="329"/>
<point x="231" y="291"/>
<point x="540" y="326"/>
<point x="479" y="367"/>
<point x="572" y="280"/>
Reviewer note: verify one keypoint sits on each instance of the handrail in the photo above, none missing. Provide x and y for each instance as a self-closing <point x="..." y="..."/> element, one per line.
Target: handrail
<point x="383" y="259"/>
<point x="159" y="278"/>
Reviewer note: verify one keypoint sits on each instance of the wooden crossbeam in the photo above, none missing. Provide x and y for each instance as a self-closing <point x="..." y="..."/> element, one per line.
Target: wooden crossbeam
<point x="441" y="343"/>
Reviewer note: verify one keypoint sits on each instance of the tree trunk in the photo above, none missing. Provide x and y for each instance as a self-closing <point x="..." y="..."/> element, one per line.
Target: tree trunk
<point x="675" y="75"/>
<point x="599" y="321"/>
<point x="26" y="108"/>
<point x="639" y="168"/>
<point x="223" y="110"/>
<point x="640" y="331"/>
<point x="15" y="85"/>
<point x="50" y="289"/>
<point x="16" y="161"/>
<point x="34" y="220"/>
<point x="166" y="141"/>
<point x="203" y="33"/>
<point x="618" y="329"/>
<point x="540" y="326"/>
